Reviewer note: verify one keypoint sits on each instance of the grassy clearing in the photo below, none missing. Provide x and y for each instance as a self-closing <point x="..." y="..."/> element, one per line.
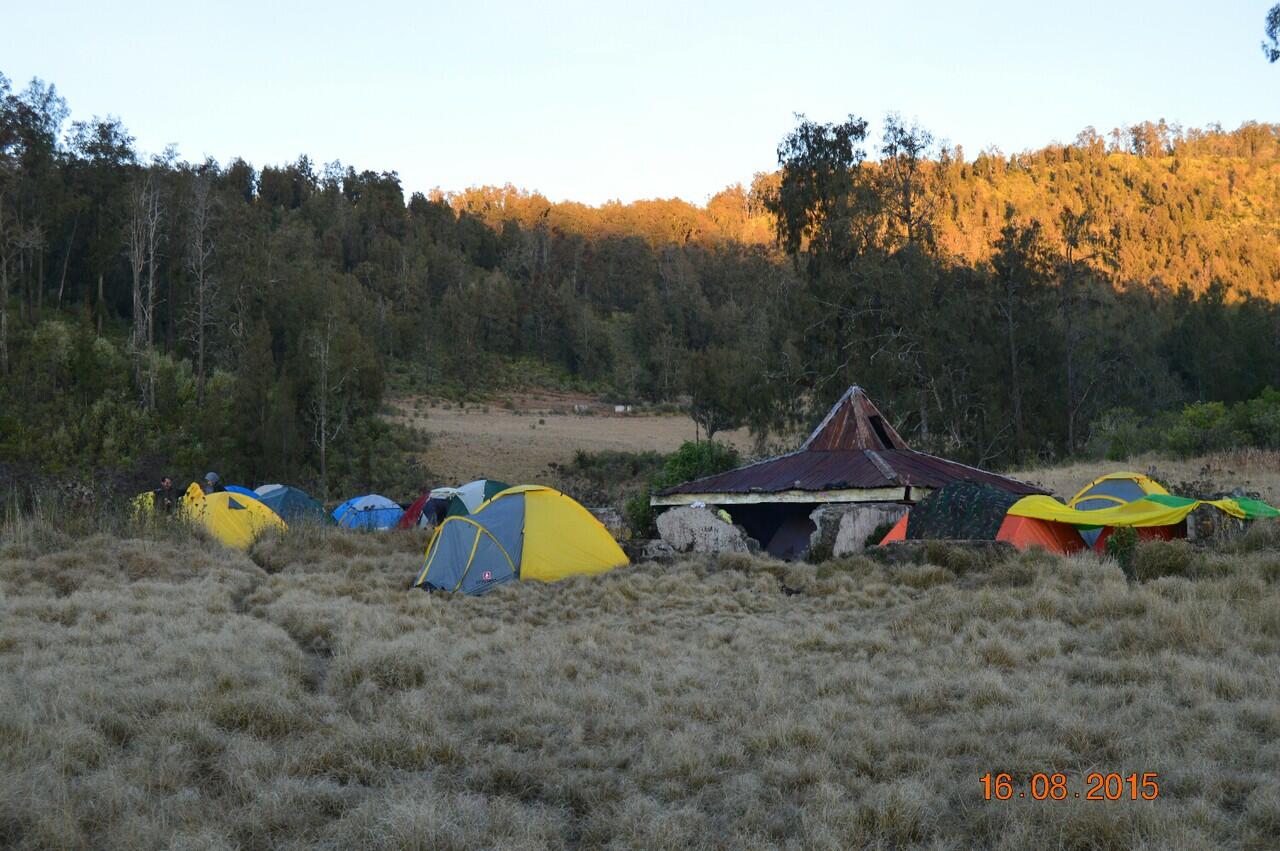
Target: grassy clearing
<point x="160" y="692"/>
<point x="526" y="438"/>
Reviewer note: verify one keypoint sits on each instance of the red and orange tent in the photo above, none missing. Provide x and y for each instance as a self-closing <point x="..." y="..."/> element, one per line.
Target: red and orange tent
<point x="1022" y="532"/>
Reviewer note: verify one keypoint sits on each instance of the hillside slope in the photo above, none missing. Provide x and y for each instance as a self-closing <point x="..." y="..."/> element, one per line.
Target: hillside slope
<point x="1169" y="207"/>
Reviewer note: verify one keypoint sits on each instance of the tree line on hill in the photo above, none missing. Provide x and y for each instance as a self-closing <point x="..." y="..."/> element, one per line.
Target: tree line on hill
<point x="159" y="313"/>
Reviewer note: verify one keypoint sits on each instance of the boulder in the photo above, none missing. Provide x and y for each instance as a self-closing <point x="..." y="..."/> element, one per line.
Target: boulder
<point x="842" y="530"/>
<point x="1208" y="525"/>
<point x="647" y="549"/>
<point x="611" y="519"/>
<point x="700" y="530"/>
<point x="657" y="551"/>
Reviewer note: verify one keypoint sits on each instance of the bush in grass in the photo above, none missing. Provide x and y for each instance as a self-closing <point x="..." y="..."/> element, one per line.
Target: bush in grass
<point x="878" y="533"/>
<point x="640" y="516"/>
<point x="1197" y="429"/>
<point x="612" y="464"/>
<point x="692" y="460"/>
<point x="695" y="459"/>
<point x="1203" y="427"/>
<point x="1153" y="559"/>
<point x="1121" y="545"/>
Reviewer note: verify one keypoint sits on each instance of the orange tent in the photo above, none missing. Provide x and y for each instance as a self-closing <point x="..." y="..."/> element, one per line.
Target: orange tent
<point x="1022" y="532"/>
<point x="897" y="533"/>
<point x="1026" y="532"/>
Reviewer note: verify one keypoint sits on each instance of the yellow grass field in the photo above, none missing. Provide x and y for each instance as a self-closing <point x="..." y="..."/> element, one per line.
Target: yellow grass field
<point x="160" y="692"/>
<point x="515" y="440"/>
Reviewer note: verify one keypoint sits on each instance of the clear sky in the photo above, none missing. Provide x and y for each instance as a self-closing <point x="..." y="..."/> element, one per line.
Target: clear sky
<point x="593" y="101"/>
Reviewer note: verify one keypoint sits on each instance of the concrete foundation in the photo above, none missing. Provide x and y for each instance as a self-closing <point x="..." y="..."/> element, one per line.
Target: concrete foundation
<point x="842" y="530"/>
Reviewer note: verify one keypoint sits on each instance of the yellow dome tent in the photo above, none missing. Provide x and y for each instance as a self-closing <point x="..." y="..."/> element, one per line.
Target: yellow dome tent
<point x="525" y="532"/>
<point x="1115" y="489"/>
<point x="235" y="520"/>
<point x="1112" y="491"/>
<point x="144" y="504"/>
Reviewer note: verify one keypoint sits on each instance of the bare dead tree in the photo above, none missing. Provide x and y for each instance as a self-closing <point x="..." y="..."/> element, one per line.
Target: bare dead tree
<point x="155" y="235"/>
<point x="136" y="250"/>
<point x="7" y="248"/>
<point x="328" y="408"/>
<point x="665" y="355"/>
<point x="238" y="291"/>
<point x="199" y="263"/>
<point x="15" y="241"/>
<point x="144" y="236"/>
<point x="66" y="258"/>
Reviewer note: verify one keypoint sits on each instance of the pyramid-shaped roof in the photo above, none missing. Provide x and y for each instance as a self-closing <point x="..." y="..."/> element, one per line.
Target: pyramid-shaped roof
<point x="854" y="448"/>
<point x="853" y="423"/>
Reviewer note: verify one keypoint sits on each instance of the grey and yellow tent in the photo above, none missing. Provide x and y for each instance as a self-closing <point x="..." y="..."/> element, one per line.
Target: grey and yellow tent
<point x="525" y="532"/>
<point x="465" y="499"/>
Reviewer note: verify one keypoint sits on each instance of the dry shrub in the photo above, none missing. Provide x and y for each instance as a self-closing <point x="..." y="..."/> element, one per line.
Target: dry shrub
<point x="1261" y="535"/>
<point x="857" y="566"/>
<point x="960" y="558"/>
<point x="1268" y="569"/>
<point x="391" y="666"/>
<point x="308" y="545"/>
<point x="1013" y="573"/>
<point x="923" y="576"/>
<point x="899" y="813"/>
<point x="420" y="816"/>
<point x="1154" y="559"/>
<point x="1262" y="816"/>
<point x="748" y="563"/>
<point x="262" y="713"/>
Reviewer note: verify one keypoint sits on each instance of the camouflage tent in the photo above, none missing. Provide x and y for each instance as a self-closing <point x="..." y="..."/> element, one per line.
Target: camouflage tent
<point x="965" y="511"/>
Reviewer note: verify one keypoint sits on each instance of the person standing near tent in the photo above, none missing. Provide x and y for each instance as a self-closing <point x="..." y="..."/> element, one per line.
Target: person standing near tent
<point x="164" y="498"/>
<point x="211" y="483"/>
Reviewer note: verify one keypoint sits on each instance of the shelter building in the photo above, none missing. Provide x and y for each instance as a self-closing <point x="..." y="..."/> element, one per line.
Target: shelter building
<point x="854" y="457"/>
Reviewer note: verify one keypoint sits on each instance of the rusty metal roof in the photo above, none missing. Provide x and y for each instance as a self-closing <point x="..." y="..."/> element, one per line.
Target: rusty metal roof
<point x="853" y="448"/>
<point x="854" y="422"/>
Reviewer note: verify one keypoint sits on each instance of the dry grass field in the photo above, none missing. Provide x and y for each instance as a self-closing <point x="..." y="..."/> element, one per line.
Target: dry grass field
<point x="157" y="691"/>
<point x="517" y="439"/>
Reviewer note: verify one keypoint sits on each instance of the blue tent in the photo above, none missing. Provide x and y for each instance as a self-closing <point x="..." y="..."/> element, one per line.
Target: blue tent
<point x="293" y="505"/>
<point x="243" y="492"/>
<point x="372" y="511"/>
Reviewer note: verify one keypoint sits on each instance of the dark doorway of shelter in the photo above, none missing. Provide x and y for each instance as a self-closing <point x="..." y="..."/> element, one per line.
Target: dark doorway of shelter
<point x="782" y="528"/>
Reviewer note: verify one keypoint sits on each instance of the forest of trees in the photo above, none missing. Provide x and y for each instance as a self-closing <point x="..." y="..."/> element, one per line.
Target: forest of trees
<point x="163" y="314"/>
